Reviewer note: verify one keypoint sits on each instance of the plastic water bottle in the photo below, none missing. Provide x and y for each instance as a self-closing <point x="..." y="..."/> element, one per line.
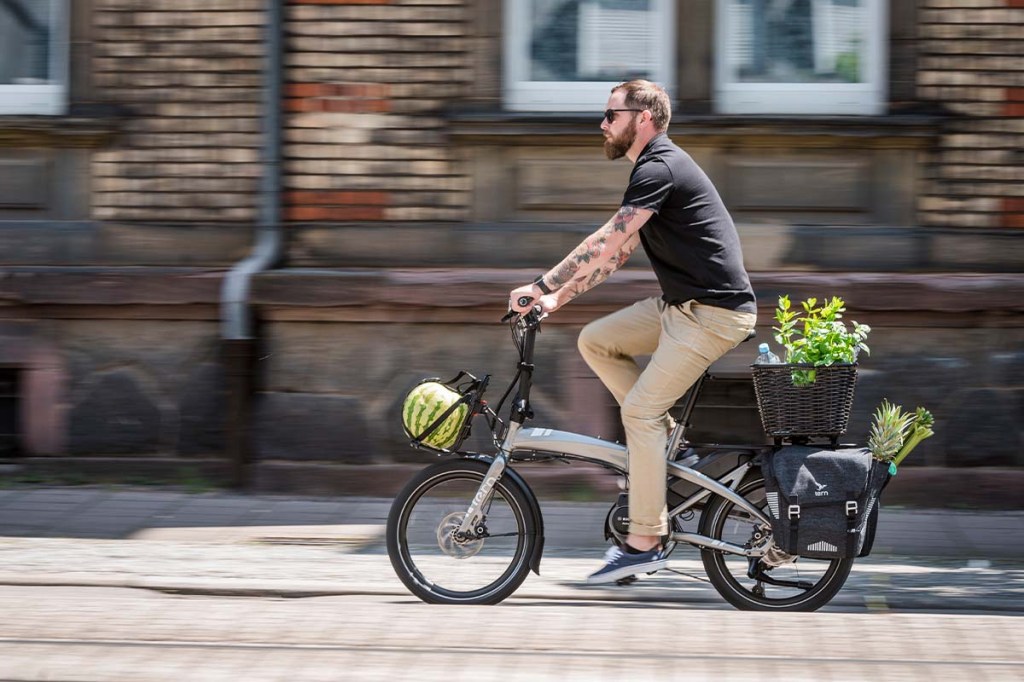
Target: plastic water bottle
<point x="766" y="356"/>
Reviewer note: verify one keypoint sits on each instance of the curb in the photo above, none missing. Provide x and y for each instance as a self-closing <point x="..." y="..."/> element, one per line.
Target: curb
<point x="918" y="487"/>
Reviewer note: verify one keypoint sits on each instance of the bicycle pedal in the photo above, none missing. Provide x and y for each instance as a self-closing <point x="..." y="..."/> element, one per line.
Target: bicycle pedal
<point x="628" y="580"/>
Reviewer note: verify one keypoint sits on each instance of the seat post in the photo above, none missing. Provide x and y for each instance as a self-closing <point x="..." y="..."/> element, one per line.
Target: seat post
<point x="679" y="433"/>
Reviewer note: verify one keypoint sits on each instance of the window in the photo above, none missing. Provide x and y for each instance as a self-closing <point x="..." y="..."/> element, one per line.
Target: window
<point x="565" y="55"/>
<point x="800" y="57"/>
<point x="33" y="56"/>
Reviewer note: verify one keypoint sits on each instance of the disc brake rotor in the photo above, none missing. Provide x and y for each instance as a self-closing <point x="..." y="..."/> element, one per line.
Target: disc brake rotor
<point x="452" y="546"/>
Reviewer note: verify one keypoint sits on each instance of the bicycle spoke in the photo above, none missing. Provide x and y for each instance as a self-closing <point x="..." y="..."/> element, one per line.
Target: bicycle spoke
<point x="774" y="579"/>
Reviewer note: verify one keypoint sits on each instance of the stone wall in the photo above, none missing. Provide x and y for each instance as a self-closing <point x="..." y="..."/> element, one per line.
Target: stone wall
<point x="189" y="74"/>
<point x="121" y="362"/>
<point x="969" y="63"/>
<point x="142" y="387"/>
<point x="342" y="350"/>
<point x="127" y="364"/>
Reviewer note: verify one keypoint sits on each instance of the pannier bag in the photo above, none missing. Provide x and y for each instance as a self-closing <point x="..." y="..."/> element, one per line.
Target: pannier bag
<point x="824" y="504"/>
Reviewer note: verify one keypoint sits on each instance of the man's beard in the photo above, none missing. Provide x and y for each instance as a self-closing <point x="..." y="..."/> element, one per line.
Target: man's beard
<point x="616" y="147"/>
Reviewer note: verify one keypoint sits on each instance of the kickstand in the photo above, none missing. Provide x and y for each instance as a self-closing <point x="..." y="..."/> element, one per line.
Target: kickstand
<point x="688" y="575"/>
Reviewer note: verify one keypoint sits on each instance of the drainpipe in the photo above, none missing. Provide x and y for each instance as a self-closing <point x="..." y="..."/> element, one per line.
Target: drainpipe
<point x="238" y="342"/>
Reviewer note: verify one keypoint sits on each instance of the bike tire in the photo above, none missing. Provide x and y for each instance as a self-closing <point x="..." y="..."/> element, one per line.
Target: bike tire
<point x="432" y="573"/>
<point x="832" y="574"/>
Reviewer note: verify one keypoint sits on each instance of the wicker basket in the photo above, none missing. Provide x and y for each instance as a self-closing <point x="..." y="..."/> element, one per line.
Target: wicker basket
<point x="791" y="407"/>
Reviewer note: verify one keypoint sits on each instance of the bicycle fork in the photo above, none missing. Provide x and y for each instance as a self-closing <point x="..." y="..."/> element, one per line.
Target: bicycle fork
<point x="474" y="514"/>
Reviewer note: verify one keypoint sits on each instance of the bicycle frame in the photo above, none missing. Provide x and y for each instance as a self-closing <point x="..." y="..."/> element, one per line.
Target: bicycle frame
<point x="529" y="443"/>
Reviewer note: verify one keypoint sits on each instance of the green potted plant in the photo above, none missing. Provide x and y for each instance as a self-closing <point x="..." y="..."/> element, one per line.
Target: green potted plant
<point x="811" y="393"/>
<point x="819" y="337"/>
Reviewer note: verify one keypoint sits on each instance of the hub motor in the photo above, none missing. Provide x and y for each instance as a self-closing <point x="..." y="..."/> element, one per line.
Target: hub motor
<point x="451" y="544"/>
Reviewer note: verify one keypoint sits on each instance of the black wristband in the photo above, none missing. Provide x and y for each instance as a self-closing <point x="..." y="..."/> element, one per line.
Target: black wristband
<point x="541" y="285"/>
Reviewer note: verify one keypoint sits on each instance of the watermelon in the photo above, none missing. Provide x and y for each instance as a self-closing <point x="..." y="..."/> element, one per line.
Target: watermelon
<point x="425" y="404"/>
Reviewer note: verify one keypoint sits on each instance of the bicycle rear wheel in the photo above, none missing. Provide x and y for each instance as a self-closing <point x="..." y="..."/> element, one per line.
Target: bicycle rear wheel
<point x="436" y="566"/>
<point x="806" y="584"/>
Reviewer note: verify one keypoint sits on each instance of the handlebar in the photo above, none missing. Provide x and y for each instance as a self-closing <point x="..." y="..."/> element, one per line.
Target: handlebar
<point x="530" y="319"/>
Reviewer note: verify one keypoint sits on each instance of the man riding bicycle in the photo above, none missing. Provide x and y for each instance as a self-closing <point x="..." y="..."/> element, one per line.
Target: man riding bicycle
<point x="707" y="305"/>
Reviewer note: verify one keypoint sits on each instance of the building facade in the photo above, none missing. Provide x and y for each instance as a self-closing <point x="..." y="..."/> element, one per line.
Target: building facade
<point x="429" y="155"/>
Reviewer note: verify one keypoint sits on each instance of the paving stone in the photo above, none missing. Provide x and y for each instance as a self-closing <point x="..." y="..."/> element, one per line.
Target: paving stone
<point x="68" y="634"/>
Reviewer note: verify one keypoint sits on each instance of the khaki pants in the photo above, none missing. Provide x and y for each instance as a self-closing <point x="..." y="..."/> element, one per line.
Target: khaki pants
<point x="683" y="340"/>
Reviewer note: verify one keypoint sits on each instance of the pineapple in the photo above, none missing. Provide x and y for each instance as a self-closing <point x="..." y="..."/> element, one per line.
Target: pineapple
<point x="888" y="431"/>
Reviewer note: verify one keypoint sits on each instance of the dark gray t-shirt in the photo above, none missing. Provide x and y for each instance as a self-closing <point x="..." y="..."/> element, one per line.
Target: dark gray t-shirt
<point x="690" y="240"/>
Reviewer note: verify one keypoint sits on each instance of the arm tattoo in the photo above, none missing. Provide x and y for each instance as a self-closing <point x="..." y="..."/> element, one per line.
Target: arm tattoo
<point x="623" y="217"/>
<point x="592" y="247"/>
<point x="581" y="284"/>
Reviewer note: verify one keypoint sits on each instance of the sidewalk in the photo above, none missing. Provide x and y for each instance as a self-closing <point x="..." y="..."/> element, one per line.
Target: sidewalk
<point x="224" y="543"/>
<point x="140" y="513"/>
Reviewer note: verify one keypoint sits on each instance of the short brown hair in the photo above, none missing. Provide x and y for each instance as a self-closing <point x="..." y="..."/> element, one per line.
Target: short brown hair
<point x="643" y="94"/>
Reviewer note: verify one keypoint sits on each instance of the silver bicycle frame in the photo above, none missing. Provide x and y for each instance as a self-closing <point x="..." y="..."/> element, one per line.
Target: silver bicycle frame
<point x="710" y="485"/>
<point x="566" y="445"/>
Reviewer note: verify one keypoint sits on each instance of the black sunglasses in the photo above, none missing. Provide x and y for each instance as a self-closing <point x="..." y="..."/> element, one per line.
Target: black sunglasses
<point x="609" y="114"/>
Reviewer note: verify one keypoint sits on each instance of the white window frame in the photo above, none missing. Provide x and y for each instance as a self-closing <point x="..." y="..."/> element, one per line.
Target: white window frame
<point x="851" y="99"/>
<point x="46" y="99"/>
<point x="521" y="94"/>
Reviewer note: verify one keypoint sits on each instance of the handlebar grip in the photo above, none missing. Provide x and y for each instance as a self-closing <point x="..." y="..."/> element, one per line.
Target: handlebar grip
<point x="525" y="301"/>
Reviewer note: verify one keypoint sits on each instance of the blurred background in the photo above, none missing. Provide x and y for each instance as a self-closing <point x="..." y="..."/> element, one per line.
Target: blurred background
<point x="233" y="233"/>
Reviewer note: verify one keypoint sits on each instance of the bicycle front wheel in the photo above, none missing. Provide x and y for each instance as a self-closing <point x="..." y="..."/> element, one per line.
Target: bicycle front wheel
<point x="800" y="584"/>
<point x="441" y="569"/>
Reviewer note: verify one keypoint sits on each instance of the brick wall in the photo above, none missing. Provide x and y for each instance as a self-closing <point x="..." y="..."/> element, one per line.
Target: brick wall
<point x="367" y="82"/>
<point x="190" y="73"/>
<point x="970" y="61"/>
